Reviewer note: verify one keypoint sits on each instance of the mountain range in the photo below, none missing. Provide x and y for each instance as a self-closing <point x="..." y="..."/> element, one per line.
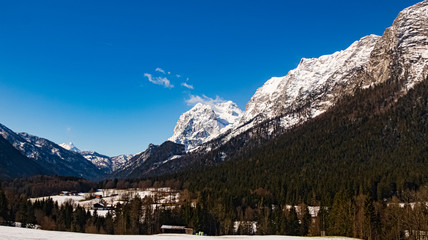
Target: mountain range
<point x="210" y="133"/>
<point x="103" y="162"/>
<point x="50" y="156"/>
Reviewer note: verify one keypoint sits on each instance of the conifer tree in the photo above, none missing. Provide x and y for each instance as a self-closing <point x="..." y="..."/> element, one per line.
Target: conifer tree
<point x="340" y="217"/>
<point x="4" y="215"/>
<point x="306" y="220"/>
<point x="292" y="226"/>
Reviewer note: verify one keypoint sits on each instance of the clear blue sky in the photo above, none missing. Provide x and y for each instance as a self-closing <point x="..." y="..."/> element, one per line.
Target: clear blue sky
<point x="79" y="70"/>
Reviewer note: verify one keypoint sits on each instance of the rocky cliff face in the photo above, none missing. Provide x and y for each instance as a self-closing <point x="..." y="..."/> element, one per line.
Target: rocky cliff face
<point x="402" y="51"/>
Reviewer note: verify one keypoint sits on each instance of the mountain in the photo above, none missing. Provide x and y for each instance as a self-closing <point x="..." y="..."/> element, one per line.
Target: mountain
<point x="205" y="122"/>
<point x="317" y="84"/>
<point x="367" y="143"/>
<point x="104" y="163"/>
<point x="304" y="93"/>
<point x="13" y="164"/>
<point x="371" y="141"/>
<point x="69" y="146"/>
<point x="160" y="155"/>
<point x="309" y="90"/>
<point x="51" y="156"/>
<point x="150" y="159"/>
<point x="119" y="162"/>
<point x="313" y="88"/>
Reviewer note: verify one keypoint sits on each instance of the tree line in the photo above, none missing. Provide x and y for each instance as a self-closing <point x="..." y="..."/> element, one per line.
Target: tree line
<point x="353" y="216"/>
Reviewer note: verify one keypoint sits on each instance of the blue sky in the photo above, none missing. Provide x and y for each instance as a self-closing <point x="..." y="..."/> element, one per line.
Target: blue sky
<point x="79" y="70"/>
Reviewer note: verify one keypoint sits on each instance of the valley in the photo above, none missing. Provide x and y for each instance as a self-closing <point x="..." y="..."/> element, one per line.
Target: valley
<point x="336" y="147"/>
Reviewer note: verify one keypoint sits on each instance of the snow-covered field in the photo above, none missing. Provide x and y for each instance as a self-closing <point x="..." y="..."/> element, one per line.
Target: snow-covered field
<point x="13" y="233"/>
<point x="111" y="197"/>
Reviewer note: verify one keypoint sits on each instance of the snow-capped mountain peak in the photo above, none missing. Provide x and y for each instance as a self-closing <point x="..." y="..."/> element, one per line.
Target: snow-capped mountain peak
<point x="205" y="121"/>
<point x="69" y="146"/>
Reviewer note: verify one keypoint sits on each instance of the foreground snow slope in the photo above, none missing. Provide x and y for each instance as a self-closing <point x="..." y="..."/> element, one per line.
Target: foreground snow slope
<point x="12" y="233"/>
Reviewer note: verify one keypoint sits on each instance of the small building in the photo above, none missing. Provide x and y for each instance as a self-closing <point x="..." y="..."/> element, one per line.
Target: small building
<point x="98" y="206"/>
<point x="176" y="229"/>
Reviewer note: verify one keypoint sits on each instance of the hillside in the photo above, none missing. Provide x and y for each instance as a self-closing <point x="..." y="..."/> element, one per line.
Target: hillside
<point x="366" y="144"/>
<point x="14" y="164"/>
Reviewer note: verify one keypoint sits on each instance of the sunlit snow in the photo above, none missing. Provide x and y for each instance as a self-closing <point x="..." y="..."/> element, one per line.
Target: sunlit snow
<point x="13" y="233"/>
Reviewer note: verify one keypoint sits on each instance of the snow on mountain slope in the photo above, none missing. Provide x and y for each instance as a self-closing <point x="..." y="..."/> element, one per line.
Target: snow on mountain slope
<point x="106" y="163"/>
<point x="103" y="162"/>
<point x="313" y="79"/>
<point x="69" y="146"/>
<point x="120" y="161"/>
<point x="309" y="90"/>
<point x="50" y="155"/>
<point x="205" y="121"/>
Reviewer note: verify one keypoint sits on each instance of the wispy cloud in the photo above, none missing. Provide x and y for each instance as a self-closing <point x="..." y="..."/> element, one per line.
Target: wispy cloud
<point x="187" y="85"/>
<point x="159" y="80"/>
<point x="195" y="99"/>
<point x="160" y="70"/>
<point x="163" y="77"/>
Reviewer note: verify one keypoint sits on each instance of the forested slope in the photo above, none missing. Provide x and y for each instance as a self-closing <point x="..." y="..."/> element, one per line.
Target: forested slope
<point x="373" y="143"/>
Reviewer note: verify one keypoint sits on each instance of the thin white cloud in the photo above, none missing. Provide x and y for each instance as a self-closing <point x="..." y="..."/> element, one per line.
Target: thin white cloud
<point x="193" y="100"/>
<point x="178" y="75"/>
<point x="160" y="70"/>
<point x="169" y="73"/>
<point x="159" y="80"/>
<point x="187" y="85"/>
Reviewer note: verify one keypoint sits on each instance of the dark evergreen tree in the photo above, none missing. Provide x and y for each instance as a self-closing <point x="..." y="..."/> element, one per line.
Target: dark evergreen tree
<point x="292" y="225"/>
<point x="4" y="207"/>
<point x="340" y="216"/>
<point x="79" y="220"/>
<point x="306" y="220"/>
